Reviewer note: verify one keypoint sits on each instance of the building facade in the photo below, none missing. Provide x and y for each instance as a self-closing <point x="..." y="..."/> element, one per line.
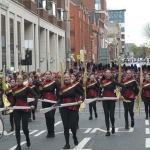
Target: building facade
<point x="21" y="28"/>
<point x="119" y="15"/>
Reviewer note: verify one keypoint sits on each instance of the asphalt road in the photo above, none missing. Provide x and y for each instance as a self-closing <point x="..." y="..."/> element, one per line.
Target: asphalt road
<point x="91" y="134"/>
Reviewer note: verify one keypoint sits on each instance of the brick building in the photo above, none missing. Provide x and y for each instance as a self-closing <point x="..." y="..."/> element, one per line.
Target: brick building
<point x="19" y="30"/>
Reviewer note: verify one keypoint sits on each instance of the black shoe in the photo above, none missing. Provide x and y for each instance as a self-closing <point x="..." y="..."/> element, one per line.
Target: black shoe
<point x="30" y="120"/>
<point x="28" y="142"/>
<point x="52" y="134"/>
<point x="96" y="116"/>
<point x="77" y="127"/>
<point x="12" y="129"/>
<point x="67" y="146"/>
<point x="90" y="118"/>
<point x="75" y="141"/>
<point x="33" y="117"/>
<point x="113" y="130"/>
<point x="146" y="117"/>
<point x="107" y="134"/>
<point x="48" y="135"/>
<point x="132" y="123"/>
<point x="18" y="148"/>
<point x="126" y="126"/>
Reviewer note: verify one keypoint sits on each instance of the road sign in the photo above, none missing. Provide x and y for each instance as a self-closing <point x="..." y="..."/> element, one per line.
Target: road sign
<point x="79" y="57"/>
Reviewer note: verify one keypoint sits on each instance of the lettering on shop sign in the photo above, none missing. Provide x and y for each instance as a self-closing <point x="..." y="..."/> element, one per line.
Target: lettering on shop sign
<point x="4" y="3"/>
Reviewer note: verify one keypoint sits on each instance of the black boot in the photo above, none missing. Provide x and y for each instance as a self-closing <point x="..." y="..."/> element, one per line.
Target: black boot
<point x="113" y="130"/>
<point x="96" y="116"/>
<point x="48" y="135"/>
<point x="146" y="117"/>
<point x="75" y="141"/>
<point x="126" y="126"/>
<point x="33" y="117"/>
<point x="28" y="142"/>
<point x="12" y="129"/>
<point x="52" y="134"/>
<point x="132" y="123"/>
<point x="108" y="133"/>
<point x="67" y="146"/>
<point x="18" y="147"/>
<point x="90" y="118"/>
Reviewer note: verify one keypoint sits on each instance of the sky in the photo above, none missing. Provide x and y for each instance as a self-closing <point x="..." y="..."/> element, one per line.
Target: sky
<point x="137" y="15"/>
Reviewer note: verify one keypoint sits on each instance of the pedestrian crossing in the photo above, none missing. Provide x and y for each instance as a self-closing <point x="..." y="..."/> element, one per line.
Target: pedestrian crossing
<point x="147" y="132"/>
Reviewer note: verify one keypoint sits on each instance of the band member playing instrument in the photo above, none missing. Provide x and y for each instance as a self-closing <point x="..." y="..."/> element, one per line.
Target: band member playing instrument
<point x="47" y="89"/>
<point x="108" y="86"/>
<point x="69" y="114"/>
<point x="20" y="94"/>
<point x="9" y="93"/>
<point x="92" y="92"/>
<point x="33" y="87"/>
<point x="129" y="93"/>
<point x="146" y="95"/>
<point x="74" y="81"/>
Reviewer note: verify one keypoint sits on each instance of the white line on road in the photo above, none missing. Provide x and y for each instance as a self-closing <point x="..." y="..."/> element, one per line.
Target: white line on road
<point x="88" y="130"/>
<point x="82" y="144"/>
<point x="58" y="123"/>
<point x="40" y="133"/>
<point x="95" y="129"/>
<point x="20" y="132"/>
<point x="33" y="132"/>
<point x="11" y="133"/>
<point x="147" y="131"/>
<point x="16" y="145"/>
<point x="147" y="143"/>
<point x="147" y="122"/>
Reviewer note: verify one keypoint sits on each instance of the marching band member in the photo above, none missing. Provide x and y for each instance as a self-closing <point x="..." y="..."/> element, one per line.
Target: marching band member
<point x="47" y="89"/>
<point x="129" y="93"/>
<point x="146" y="95"/>
<point x="20" y="93"/>
<point x="92" y="92"/>
<point x="9" y="93"/>
<point x="69" y="114"/>
<point x="108" y="86"/>
<point x="33" y="87"/>
<point x="74" y="81"/>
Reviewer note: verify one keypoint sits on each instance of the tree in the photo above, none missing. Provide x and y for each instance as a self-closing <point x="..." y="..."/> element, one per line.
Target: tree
<point x="146" y="30"/>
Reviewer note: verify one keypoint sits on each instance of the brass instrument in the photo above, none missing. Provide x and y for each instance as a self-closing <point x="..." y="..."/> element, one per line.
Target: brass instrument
<point x="4" y="97"/>
<point x="138" y="99"/>
<point x="20" y="70"/>
<point x="83" y="105"/>
<point x="62" y="74"/>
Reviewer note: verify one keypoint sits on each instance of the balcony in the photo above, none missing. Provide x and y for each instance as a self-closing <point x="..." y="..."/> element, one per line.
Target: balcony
<point x="31" y="5"/>
<point x="61" y="24"/>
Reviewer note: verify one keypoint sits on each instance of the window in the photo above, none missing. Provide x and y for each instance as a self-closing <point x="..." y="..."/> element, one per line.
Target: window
<point x="97" y="4"/>
<point x="18" y="1"/>
<point x="3" y="39"/>
<point x="12" y="42"/>
<point x="51" y="8"/>
<point x="123" y="43"/>
<point x="122" y="29"/>
<point x="122" y="36"/>
<point x="60" y="14"/>
<point x="19" y="41"/>
<point x="123" y="50"/>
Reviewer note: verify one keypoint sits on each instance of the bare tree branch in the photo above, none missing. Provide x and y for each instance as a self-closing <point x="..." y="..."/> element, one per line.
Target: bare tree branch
<point x="146" y="30"/>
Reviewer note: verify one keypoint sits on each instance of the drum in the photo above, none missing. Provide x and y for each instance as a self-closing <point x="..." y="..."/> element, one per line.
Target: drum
<point x="1" y="127"/>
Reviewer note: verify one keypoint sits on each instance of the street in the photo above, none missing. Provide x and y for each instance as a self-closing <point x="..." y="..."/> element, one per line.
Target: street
<point x="91" y="134"/>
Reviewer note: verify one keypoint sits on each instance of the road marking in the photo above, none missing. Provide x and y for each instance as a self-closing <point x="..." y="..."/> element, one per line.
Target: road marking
<point x="16" y="145"/>
<point x="130" y="130"/>
<point x="40" y="133"/>
<point x="147" y="131"/>
<point x="33" y="132"/>
<point x="95" y="129"/>
<point x="57" y="123"/>
<point x="147" y="143"/>
<point x="88" y="130"/>
<point x="59" y="132"/>
<point x="146" y="122"/>
<point x="11" y="133"/>
<point x="82" y="144"/>
<point x="20" y="132"/>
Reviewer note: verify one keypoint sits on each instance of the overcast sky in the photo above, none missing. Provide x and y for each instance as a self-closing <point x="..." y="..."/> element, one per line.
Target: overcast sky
<point x="136" y="16"/>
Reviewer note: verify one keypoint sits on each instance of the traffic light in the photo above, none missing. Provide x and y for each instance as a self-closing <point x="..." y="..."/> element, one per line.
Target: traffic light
<point x="28" y="57"/>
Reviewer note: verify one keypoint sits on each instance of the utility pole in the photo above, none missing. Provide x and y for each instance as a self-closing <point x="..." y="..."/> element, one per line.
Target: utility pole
<point x="39" y="32"/>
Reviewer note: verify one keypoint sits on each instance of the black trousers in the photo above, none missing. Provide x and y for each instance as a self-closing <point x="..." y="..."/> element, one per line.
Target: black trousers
<point x="109" y="111"/>
<point x="147" y="105"/>
<point x="92" y="105"/>
<point x="32" y="111"/>
<point x="69" y="119"/>
<point x="18" y="115"/>
<point x="49" y="117"/>
<point x="11" y="118"/>
<point x="128" y="107"/>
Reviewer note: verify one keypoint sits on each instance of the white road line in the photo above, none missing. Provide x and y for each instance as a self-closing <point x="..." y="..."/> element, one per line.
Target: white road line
<point x="147" y="143"/>
<point x="33" y="132"/>
<point x="147" y="131"/>
<point x="16" y="145"/>
<point x="82" y="144"/>
<point x="20" y="132"/>
<point x="40" y="133"/>
<point x="57" y="123"/>
<point x="11" y="133"/>
<point x="88" y="130"/>
<point x="147" y="122"/>
<point x="95" y="129"/>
